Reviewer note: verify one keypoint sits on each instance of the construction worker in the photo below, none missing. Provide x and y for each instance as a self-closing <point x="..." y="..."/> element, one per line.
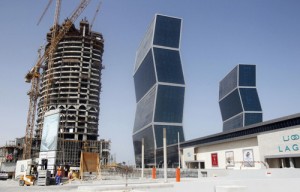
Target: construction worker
<point x="58" y="176"/>
<point x="70" y="176"/>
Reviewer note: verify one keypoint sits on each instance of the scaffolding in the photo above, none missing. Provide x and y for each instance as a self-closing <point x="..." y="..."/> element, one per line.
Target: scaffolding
<point x="69" y="151"/>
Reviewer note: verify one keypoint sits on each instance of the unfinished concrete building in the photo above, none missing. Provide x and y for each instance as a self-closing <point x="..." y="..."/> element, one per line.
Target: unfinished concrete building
<point x="73" y="85"/>
<point x="10" y="153"/>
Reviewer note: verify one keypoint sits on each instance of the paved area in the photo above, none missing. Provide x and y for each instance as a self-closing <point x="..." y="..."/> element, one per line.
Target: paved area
<point x="246" y="181"/>
<point x="136" y="185"/>
<point x="13" y="186"/>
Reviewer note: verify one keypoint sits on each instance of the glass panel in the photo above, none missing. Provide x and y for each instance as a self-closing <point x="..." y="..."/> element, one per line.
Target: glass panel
<point x="233" y="123"/>
<point x="252" y="118"/>
<point x="144" y="46"/>
<point x="168" y="66"/>
<point x="147" y="134"/>
<point x="172" y="157"/>
<point x="144" y="78"/>
<point x="231" y="105"/>
<point x="167" y="31"/>
<point x="247" y="75"/>
<point x="250" y="99"/>
<point x="172" y="134"/>
<point x="228" y="83"/>
<point x="144" y="111"/>
<point x="169" y="104"/>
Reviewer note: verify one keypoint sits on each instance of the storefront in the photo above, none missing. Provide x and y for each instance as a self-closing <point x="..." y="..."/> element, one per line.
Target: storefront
<point x="280" y="149"/>
<point x="237" y="154"/>
<point x="272" y="144"/>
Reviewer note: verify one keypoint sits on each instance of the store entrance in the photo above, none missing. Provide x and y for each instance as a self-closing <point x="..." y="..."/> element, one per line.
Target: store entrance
<point x="195" y="165"/>
<point x="286" y="162"/>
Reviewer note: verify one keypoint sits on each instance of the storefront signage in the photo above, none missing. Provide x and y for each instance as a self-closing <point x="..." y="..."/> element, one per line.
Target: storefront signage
<point x="289" y="143"/>
<point x="280" y="143"/>
<point x="189" y="154"/>
<point x="214" y="159"/>
<point x="248" y="158"/>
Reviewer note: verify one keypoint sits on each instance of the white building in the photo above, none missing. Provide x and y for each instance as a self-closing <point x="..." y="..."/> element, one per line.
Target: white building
<point x="270" y="144"/>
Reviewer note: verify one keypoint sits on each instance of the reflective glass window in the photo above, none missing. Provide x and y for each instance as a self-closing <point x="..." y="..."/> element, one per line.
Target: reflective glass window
<point x="168" y="66"/>
<point x="167" y="31"/>
<point x="172" y="156"/>
<point x="231" y="105"/>
<point x="247" y="75"/>
<point x="228" y="83"/>
<point x="171" y="132"/>
<point x="144" y="110"/>
<point x="144" y="78"/>
<point x="250" y="99"/>
<point x="169" y="104"/>
<point x="252" y="118"/>
<point x="147" y="134"/>
<point x="233" y="123"/>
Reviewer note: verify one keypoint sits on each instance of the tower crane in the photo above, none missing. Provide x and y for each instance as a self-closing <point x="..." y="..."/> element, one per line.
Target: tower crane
<point x="95" y="15"/>
<point x="33" y="76"/>
<point x="48" y="5"/>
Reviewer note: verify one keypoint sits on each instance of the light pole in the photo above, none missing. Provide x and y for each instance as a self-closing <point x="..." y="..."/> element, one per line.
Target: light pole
<point x="178" y="151"/>
<point x="142" y="158"/>
<point x="165" y="153"/>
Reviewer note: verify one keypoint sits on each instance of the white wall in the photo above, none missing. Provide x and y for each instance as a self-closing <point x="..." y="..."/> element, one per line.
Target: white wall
<point x="280" y="143"/>
<point x="203" y="153"/>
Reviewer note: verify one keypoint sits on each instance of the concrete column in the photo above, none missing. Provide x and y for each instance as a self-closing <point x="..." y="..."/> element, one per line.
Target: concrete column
<point x="291" y="163"/>
<point x="282" y="163"/>
<point x="165" y="153"/>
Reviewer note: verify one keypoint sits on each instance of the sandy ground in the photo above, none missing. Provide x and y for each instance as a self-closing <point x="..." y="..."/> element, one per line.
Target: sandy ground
<point x="13" y="186"/>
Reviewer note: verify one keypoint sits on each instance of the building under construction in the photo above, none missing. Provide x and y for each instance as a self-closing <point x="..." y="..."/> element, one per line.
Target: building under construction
<point x="72" y="85"/>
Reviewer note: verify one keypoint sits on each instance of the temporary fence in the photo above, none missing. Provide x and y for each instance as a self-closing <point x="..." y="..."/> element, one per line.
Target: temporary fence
<point x="137" y="173"/>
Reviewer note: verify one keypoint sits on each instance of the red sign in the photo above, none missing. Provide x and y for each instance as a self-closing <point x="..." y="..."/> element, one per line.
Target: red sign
<point x="9" y="157"/>
<point x="214" y="159"/>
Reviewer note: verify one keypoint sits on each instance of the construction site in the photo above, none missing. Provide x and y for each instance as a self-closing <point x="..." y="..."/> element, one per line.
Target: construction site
<point x="64" y="102"/>
<point x="61" y="149"/>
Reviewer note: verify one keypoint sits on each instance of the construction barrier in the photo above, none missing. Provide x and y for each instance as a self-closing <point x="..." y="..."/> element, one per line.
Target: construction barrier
<point x="153" y="173"/>
<point x="178" y="175"/>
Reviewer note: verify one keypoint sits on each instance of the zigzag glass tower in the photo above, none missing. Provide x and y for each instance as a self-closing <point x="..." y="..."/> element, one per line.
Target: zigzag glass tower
<point x="159" y="87"/>
<point x="238" y="98"/>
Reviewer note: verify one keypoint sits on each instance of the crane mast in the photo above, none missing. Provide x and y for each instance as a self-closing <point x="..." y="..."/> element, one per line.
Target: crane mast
<point x="33" y="76"/>
<point x="33" y="96"/>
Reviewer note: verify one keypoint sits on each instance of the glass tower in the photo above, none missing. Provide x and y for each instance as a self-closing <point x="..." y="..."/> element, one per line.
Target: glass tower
<point x="159" y="88"/>
<point x="238" y="98"/>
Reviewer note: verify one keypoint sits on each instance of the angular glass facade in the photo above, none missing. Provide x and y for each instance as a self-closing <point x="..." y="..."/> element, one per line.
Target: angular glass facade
<point x="169" y="104"/>
<point x="159" y="87"/>
<point x="144" y="78"/>
<point x="238" y="98"/>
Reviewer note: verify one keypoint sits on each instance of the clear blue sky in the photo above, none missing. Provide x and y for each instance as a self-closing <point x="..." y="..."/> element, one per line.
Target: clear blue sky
<point x="217" y="35"/>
